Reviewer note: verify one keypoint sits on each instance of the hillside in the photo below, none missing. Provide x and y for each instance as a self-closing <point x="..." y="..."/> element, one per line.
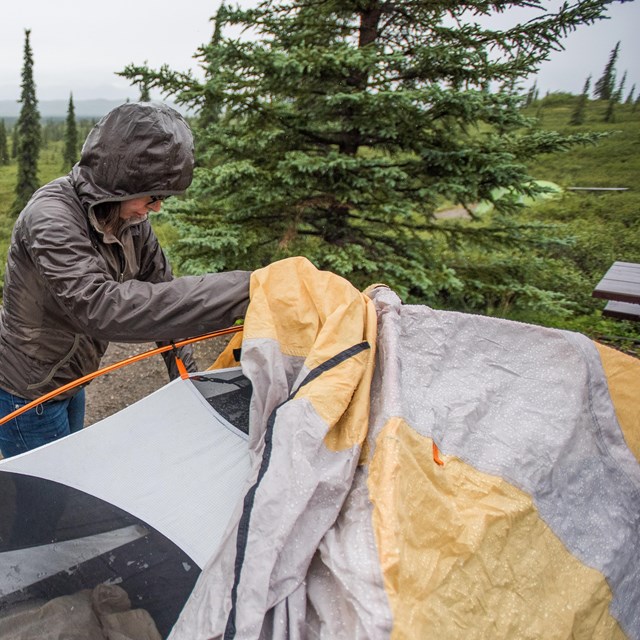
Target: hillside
<point x="595" y="227"/>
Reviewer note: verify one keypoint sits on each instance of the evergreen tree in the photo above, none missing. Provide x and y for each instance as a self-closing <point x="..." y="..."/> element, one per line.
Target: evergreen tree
<point x="615" y="98"/>
<point x="211" y="108"/>
<point x="347" y="123"/>
<point x="70" y="153"/>
<point x="531" y="95"/>
<point x="4" y="148"/>
<point x="605" y="86"/>
<point x="620" y="89"/>
<point x="610" y="113"/>
<point x="14" y="141"/>
<point x="577" y="117"/>
<point x="629" y="99"/>
<point x="29" y="133"/>
<point x="145" y="96"/>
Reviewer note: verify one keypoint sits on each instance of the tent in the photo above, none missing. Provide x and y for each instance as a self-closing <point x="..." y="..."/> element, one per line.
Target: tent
<point x="406" y="473"/>
<point x="133" y="501"/>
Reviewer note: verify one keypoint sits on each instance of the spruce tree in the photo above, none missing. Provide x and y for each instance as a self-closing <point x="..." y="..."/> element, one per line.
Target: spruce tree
<point x="4" y="147"/>
<point x="14" y="141"/>
<point x="629" y="99"/>
<point x="610" y="113"/>
<point x="620" y="89"/>
<point x="145" y="96"/>
<point x="29" y="133"/>
<point x="70" y="153"/>
<point x="211" y="108"/>
<point x="345" y="124"/>
<point x="615" y="98"/>
<point x="531" y="95"/>
<point x="577" y="117"/>
<point x="605" y="86"/>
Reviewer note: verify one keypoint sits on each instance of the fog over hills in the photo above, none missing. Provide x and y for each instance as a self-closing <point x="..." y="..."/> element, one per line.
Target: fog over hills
<point x="84" y="109"/>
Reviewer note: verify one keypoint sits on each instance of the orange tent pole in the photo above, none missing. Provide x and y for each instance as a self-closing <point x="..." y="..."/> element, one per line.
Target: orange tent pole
<point x="112" y="367"/>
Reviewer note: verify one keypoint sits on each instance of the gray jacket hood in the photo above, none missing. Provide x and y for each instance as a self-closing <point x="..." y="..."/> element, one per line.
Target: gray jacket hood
<point x="137" y="149"/>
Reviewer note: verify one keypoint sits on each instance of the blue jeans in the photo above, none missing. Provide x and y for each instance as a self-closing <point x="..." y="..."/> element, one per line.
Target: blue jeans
<point x="42" y="424"/>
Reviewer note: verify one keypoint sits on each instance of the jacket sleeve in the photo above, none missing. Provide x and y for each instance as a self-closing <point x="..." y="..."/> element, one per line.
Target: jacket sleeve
<point x="155" y="267"/>
<point x="95" y="304"/>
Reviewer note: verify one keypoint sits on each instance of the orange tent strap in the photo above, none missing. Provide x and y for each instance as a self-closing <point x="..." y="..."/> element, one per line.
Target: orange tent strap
<point x="182" y="370"/>
<point x="117" y="365"/>
<point x="436" y="455"/>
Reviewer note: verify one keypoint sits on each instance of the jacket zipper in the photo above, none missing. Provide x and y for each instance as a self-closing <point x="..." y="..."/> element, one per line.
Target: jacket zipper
<point x="122" y="263"/>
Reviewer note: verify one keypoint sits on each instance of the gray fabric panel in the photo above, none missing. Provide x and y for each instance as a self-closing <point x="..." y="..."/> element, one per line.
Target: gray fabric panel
<point x="285" y="531"/>
<point x="272" y="374"/>
<point x="158" y="460"/>
<point x="288" y="618"/>
<point x="299" y="502"/>
<point x="345" y="589"/>
<point x="296" y="503"/>
<point x="530" y="405"/>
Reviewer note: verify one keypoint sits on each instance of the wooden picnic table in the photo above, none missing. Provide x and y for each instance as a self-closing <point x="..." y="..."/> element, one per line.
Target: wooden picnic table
<point x="621" y="286"/>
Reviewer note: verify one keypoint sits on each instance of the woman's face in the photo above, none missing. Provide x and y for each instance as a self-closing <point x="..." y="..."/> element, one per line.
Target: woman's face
<point x="139" y="207"/>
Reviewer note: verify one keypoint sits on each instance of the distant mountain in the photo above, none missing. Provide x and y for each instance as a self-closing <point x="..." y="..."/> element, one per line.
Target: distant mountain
<point x="84" y="109"/>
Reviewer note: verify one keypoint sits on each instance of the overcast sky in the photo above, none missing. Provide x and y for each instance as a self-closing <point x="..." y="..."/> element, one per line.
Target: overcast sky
<point x="78" y="47"/>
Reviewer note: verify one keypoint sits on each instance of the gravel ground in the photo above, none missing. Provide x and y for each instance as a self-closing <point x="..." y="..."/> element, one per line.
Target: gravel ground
<point x="118" y="389"/>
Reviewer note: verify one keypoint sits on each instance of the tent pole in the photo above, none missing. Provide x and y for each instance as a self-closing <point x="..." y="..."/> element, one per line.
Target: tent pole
<point x="113" y="367"/>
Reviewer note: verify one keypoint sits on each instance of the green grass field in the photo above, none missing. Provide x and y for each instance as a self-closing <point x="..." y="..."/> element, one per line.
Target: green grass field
<point x="605" y="225"/>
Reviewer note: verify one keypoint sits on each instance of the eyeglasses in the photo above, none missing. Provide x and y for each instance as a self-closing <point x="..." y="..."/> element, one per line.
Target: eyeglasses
<point x="154" y="199"/>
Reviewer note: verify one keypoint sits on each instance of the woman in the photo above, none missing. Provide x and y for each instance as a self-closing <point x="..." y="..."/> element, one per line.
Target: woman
<point x="84" y="267"/>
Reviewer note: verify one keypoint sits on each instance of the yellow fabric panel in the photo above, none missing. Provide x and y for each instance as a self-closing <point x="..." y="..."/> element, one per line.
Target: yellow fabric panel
<point x="226" y="359"/>
<point x="465" y="554"/>
<point x="623" y="379"/>
<point x="335" y="390"/>
<point x="317" y="315"/>
<point x="313" y="314"/>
